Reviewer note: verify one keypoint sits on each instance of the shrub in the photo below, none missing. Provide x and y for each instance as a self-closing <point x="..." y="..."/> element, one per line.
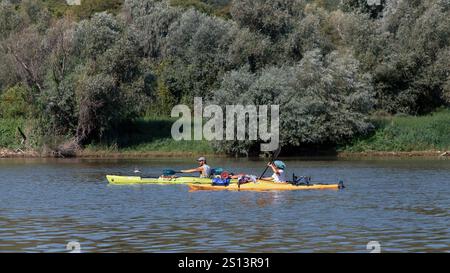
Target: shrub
<point x="13" y="103"/>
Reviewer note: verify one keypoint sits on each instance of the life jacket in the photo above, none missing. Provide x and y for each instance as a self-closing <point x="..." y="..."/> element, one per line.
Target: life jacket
<point x="279" y="177"/>
<point x="206" y="171"/>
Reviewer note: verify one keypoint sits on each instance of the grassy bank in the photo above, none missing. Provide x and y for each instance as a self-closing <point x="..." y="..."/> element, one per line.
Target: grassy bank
<point x="9" y="135"/>
<point x="406" y="134"/>
<point x="150" y="137"/>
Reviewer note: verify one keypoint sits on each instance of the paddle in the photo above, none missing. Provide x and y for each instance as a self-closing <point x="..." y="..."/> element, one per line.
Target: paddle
<point x="274" y="157"/>
<point x="215" y="171"/>
<point x="137" y="172"/>
<point x="168" y="172"/>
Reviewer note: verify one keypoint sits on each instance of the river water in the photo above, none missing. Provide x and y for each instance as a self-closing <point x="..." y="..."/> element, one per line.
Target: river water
<point x="403" y="204"/>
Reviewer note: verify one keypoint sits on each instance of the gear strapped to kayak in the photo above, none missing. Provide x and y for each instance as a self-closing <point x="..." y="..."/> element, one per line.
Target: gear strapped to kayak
<point x="218" y="181"/>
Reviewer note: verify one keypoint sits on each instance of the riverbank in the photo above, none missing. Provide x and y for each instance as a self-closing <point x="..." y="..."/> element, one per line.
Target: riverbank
<point x="6" y="153"/>
<point x="402" y="133"/>
<point x="394" y="136"/>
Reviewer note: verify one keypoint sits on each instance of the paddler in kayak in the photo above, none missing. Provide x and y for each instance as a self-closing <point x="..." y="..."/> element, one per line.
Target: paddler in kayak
<point x="203" y="169"/>
<point x="278" y="168"/>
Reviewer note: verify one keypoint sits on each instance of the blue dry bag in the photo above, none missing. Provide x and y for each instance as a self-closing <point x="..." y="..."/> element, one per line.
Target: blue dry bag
<point x="217" y="181"/>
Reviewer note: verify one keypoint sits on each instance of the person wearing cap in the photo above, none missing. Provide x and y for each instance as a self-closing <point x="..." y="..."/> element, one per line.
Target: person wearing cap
<point x="278" y="168"/>
<point x="203" y="169"/>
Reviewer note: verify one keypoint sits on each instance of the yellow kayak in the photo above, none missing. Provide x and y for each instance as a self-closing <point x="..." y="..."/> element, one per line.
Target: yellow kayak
<point x="265" y="186"/>
<point x="129" y="180"/>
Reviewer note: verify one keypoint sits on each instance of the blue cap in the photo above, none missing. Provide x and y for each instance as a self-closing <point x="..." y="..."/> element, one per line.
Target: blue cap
<point x="279" y="164"/>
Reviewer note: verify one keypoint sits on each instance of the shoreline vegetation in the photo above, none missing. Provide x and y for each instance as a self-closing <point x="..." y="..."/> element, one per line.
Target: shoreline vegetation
<point x="393" y="136"/>
<point x="101" y="79"/>
<point x="8" y="153"/>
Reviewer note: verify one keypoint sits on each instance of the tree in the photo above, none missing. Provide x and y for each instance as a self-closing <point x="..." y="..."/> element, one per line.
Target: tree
<point x="151" y="21"/>
<point x="323" y="100"/>
<point x="273" y="18"/>
<point x="57" y="102"/>
<point x="196" y="53"/>
<point x="99" y="107"/>
<point x="109" y="79"/>
<point x="372" y="7"/>
<point x="93" y="37"/>
<point x="10" y="20"/>
<point x="30" y="57"/>
<point x="250" y="48"/>
<point x="400" y="49"/>
<point x="307" y="34"/>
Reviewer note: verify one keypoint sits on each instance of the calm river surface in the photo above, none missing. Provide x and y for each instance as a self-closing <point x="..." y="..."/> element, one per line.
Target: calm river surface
<point x="402" y="204"/>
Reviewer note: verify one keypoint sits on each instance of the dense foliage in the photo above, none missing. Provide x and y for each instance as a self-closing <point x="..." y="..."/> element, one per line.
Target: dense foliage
<point x="84" y="70"/>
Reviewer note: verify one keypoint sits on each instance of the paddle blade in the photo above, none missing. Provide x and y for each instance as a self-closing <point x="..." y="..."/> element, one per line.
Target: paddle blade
<point x="168" y="172"/>
<point x="276" y="153"/>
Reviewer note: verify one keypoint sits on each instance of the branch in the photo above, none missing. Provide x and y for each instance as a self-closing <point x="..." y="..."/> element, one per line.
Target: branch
<point x="30" y="79"/>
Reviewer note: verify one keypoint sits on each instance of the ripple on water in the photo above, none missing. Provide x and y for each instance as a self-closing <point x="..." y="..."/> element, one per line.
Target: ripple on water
<point x="385" y="201"/>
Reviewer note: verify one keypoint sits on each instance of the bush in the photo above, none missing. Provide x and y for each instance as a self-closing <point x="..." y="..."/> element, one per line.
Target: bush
<point x="13" y="103"/>
<point x="8" y="133"/>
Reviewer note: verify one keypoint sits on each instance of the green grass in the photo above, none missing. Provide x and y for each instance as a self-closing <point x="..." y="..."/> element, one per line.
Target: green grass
<point x="151" y="135"/>
<point x="407" y="133"/>
<point x="392" y="134"/>
<point x="9" y="136"/>
<point x="170" y="145"/>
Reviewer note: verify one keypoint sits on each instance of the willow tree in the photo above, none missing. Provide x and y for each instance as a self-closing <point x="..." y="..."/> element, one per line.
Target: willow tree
<point x="323" y="99"/>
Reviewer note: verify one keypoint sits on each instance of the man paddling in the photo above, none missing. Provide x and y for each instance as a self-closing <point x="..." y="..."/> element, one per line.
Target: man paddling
<point x="203" y="169"/>
<point x="278" y="168"/>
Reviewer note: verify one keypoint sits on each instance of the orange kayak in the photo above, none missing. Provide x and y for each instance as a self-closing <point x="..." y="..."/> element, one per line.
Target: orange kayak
<point x="264" y="186"/>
